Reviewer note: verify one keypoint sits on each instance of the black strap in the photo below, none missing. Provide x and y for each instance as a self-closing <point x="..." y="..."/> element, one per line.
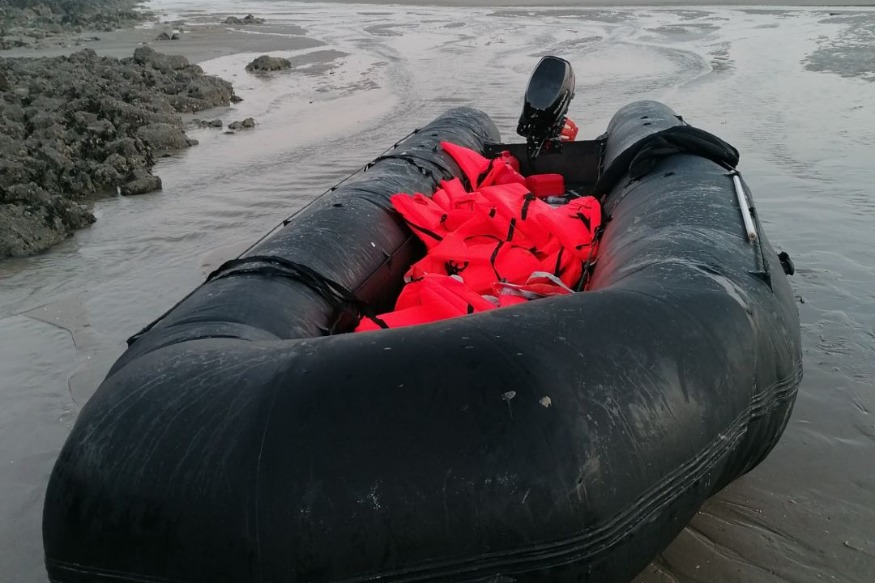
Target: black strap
<point x="511" y="229"/>
<point x="423" y="230"/>
<point x="526" y="202"/>
<point x="335" y="294"/>
<point x="484" y="174"/>
<point x="681" y="140"/>
<point x="590" y="262"/>
<point x="643" y="156"/>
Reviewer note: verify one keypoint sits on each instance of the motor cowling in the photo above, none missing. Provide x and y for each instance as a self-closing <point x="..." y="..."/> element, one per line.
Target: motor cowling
<point x="545" y="106"/>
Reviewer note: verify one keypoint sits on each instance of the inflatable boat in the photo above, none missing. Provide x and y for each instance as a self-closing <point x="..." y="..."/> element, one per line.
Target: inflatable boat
<point x="248" y="436"/>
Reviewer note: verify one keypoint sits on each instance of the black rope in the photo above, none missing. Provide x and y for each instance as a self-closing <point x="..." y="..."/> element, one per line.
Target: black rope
<point x="337" y="296"/>
<point x="589" y="264"/>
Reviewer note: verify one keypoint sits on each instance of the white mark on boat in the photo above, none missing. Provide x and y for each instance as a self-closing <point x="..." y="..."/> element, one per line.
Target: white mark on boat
<point x="507" y="397"/>
<point x="526" y="495"/>
<point x="546" y="401"/>
<point x="732" y="290"/>
<point x="373" y="497"/>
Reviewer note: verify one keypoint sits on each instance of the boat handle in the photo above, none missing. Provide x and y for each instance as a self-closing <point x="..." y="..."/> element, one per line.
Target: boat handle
<point x="745" y="207"/>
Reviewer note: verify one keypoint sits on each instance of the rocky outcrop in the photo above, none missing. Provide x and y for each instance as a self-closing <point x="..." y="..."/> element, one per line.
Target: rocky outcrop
<point x="31" y="219"/>
<point x="24" y="21"/>
<point x="78" y="127"/>
<point x="140" y="181"/>
<point x="268" y="63"/>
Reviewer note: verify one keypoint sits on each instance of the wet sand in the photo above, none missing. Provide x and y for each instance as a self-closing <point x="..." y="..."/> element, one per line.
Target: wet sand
<point x="791" y="88"/>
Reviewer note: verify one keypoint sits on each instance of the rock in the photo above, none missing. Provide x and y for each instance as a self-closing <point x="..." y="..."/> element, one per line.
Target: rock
<point x="140" y="181"/>
<point x="32" y="220"/>
<point x="268" y="63"/>
<point x="4" y="82"/>
<point x="163" y="36"/>
<point x="236" y="99"/>
<point x="239" y="125"/>
<point x="213" y="91"/>
<point x="25" y="231"/>
<point x="53" y="17"/>
<point x="163" y="136"/>
<point x="146" y="55"/>
<point x="248" y="19"/>
<point x="119" y="164"/>
<point x="207" y="123"/>
<point x="84" y="56"/>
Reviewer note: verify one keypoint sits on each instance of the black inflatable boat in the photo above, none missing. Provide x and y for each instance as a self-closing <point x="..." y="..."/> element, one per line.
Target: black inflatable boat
<point x="245" y="437"/>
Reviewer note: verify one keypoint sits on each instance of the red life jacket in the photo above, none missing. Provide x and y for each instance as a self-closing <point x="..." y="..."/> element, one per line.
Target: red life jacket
<point x="481" y="171"/>
<point x="493" y="246"/>
<point x="431" y="298"/>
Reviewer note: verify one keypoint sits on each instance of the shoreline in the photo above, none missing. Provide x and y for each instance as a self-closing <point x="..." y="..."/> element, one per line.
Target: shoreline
<point x="201" y="41"/>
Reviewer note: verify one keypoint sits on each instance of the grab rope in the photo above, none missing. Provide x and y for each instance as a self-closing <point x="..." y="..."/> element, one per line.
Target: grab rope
<point x="337" y="296"/>
<point x="280" y="225"/>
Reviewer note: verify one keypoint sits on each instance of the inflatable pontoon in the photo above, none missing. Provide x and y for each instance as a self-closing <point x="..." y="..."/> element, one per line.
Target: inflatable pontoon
<point x="249" y="436"/>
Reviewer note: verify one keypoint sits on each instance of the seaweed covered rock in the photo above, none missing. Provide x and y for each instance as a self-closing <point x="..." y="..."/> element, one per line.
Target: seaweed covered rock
<point x="23" y="21"/>
<point x="140" y="181"/>
<point x="248" y="19"/>
<point x="246" y="124"/>
<point x="268" y="63"/>
<point x="77" y="127"/>
<point x="31" y="219"/>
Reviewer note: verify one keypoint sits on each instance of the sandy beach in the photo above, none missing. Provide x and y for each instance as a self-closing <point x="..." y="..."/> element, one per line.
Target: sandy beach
<point x="790" y="85"/>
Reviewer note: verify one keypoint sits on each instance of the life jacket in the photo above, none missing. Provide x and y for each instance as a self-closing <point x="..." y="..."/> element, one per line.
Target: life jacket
<point x="429" y="299"/>
<point x="492" y="245"/>
<point x="481" y="171"/>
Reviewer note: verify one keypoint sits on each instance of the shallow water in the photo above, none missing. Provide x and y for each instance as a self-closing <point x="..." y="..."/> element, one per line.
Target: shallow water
<point x="792" y="89"/>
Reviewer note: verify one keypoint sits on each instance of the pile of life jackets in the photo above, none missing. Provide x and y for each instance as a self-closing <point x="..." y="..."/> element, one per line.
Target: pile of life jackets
<point x="493" y="245"/>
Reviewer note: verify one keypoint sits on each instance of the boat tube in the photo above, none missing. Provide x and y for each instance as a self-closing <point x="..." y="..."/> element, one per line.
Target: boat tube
<point x="246" y="437"/>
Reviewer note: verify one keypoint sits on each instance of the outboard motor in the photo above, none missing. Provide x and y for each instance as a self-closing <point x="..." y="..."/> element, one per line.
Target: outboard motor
<point x="550" y="91"/>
